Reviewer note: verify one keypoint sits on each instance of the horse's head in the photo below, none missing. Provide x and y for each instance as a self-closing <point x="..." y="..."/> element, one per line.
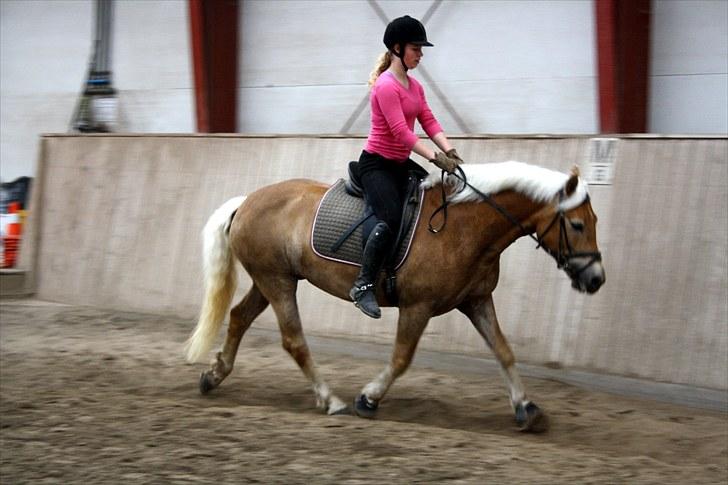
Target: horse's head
<point x="569" y="234"/>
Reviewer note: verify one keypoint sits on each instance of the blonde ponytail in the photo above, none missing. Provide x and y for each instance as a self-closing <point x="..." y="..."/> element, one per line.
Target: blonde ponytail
<point x="382" y="65"/>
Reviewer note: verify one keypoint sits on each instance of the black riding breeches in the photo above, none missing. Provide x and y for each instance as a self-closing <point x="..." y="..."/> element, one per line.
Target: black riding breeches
<point x="385" y="186"/>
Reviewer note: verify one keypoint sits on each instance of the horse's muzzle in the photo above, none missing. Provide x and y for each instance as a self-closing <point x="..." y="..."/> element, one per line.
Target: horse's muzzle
<point x="587" y="275"/>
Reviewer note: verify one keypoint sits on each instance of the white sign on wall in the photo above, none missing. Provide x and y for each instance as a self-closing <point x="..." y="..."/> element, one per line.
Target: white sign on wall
<point x="602" y="157"/>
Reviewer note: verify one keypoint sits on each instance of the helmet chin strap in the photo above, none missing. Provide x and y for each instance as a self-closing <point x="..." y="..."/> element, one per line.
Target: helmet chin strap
<point x="401" y="57"/>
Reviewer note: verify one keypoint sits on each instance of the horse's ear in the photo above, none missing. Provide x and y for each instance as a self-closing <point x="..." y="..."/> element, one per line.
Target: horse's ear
<point x="572" y="182"/>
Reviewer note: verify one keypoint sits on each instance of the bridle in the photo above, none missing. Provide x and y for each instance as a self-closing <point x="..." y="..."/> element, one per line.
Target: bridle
<point x="565" y="253"/>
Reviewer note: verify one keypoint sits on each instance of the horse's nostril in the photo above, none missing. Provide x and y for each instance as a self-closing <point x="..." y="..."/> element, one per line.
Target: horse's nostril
<point x="595" y="282"/>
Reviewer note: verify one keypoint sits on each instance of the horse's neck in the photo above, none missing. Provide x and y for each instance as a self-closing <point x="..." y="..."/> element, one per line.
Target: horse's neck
<point x="502" y="230"/>
<point x="478" y="227"/>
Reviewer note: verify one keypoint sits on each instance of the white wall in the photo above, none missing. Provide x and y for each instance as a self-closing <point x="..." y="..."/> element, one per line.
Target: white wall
<point x="504" y="66"/>
<point x="152" y="65"/>
<point x="44" y="50"/>
<point x="689" y="81"/>
<point x="45" y="46"/>
<point x="518" y="66"/>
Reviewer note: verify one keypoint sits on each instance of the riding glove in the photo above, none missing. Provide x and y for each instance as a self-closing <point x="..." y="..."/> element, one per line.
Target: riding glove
<point x="445" y="162"/>
<point x="452" y="153"/>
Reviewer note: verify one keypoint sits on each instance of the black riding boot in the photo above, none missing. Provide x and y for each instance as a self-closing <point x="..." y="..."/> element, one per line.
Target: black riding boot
<point x="375" y="251"/>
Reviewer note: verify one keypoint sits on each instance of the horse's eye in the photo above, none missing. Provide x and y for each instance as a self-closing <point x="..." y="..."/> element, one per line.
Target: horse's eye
<point x="577" y="225"/>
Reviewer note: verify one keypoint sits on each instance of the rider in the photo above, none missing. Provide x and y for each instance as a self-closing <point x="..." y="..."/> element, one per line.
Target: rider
<point x="396" y="100"/>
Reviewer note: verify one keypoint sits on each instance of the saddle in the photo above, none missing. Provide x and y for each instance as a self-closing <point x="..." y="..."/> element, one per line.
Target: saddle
<point x="344" y="220"/>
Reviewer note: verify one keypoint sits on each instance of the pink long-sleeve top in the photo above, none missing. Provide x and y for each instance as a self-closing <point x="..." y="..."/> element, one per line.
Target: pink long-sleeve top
<point x="394" y="109"/>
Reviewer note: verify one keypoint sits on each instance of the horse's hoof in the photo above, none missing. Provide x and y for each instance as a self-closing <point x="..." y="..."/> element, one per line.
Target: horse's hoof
<point x="529" y="417"/>
<point x="207" y="382"/>
<point x="364" y="408"/>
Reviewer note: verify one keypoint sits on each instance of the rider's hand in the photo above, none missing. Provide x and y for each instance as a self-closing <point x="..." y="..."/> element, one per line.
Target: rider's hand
<point x="452" y="153"/>
<point x="445" y="162"/>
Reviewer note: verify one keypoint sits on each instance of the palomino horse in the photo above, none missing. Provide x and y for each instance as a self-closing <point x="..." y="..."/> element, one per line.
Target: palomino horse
<point x="269" y="232"/>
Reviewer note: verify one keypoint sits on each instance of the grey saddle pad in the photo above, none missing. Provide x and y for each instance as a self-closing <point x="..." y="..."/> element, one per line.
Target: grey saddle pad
<point x="336" y="213"/>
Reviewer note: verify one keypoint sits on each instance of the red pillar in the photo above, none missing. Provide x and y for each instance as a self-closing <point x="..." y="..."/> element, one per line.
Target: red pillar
<point x="623" y="50"/>
<point x="607" y="65"/>
<point x="214" y="39"/>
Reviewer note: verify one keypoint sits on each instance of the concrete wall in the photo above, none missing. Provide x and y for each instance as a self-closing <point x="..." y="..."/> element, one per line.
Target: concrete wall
<point x="116" y="222"/>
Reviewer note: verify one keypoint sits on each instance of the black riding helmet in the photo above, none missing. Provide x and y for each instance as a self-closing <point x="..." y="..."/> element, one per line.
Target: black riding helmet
<point x="405" y="30"/>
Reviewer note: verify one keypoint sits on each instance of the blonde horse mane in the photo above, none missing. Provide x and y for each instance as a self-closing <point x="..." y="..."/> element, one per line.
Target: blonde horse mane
<point x="537" y="183"/>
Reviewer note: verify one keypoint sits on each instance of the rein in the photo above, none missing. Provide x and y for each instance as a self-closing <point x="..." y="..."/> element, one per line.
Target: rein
<point x="565" y="252"/>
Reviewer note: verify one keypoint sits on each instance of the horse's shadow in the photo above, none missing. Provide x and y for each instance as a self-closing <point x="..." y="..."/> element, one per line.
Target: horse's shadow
<point x="444" y="414"/>
<point x="426" y="411"/>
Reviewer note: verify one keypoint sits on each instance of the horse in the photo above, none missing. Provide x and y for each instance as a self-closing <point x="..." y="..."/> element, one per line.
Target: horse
<point x="456" y="268"/>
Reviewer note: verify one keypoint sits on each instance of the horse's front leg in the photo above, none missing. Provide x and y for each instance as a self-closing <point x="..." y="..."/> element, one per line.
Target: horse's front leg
<point x="411" y="324"/>
<point x="481" y="312"/>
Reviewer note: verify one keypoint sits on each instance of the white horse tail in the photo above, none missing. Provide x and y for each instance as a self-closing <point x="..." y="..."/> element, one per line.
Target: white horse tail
<point x="220" y="280"/>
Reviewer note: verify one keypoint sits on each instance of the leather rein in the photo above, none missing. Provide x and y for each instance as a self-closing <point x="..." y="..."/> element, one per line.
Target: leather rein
<point x="563" y="255"/>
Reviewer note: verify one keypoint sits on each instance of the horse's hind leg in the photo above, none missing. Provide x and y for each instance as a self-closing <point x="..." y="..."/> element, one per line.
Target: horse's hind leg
<point x="411" y="324"/>
<point x="241" y="316"/>
<point x="282" y="295"/>
<point x="481" y="312"/>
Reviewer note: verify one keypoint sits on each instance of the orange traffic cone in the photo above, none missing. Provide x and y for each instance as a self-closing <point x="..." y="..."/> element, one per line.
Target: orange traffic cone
<point x="11" y="243"/>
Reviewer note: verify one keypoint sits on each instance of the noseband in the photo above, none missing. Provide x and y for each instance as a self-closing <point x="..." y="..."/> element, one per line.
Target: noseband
<point x="563" y="255"/>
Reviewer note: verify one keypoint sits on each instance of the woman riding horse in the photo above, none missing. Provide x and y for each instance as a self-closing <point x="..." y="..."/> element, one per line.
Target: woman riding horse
<point x="396" y="100"/>
<point x="269" y="233"/>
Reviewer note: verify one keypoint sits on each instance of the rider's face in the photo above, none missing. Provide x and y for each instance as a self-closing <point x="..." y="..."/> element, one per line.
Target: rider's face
<point x="412" y="55"/>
